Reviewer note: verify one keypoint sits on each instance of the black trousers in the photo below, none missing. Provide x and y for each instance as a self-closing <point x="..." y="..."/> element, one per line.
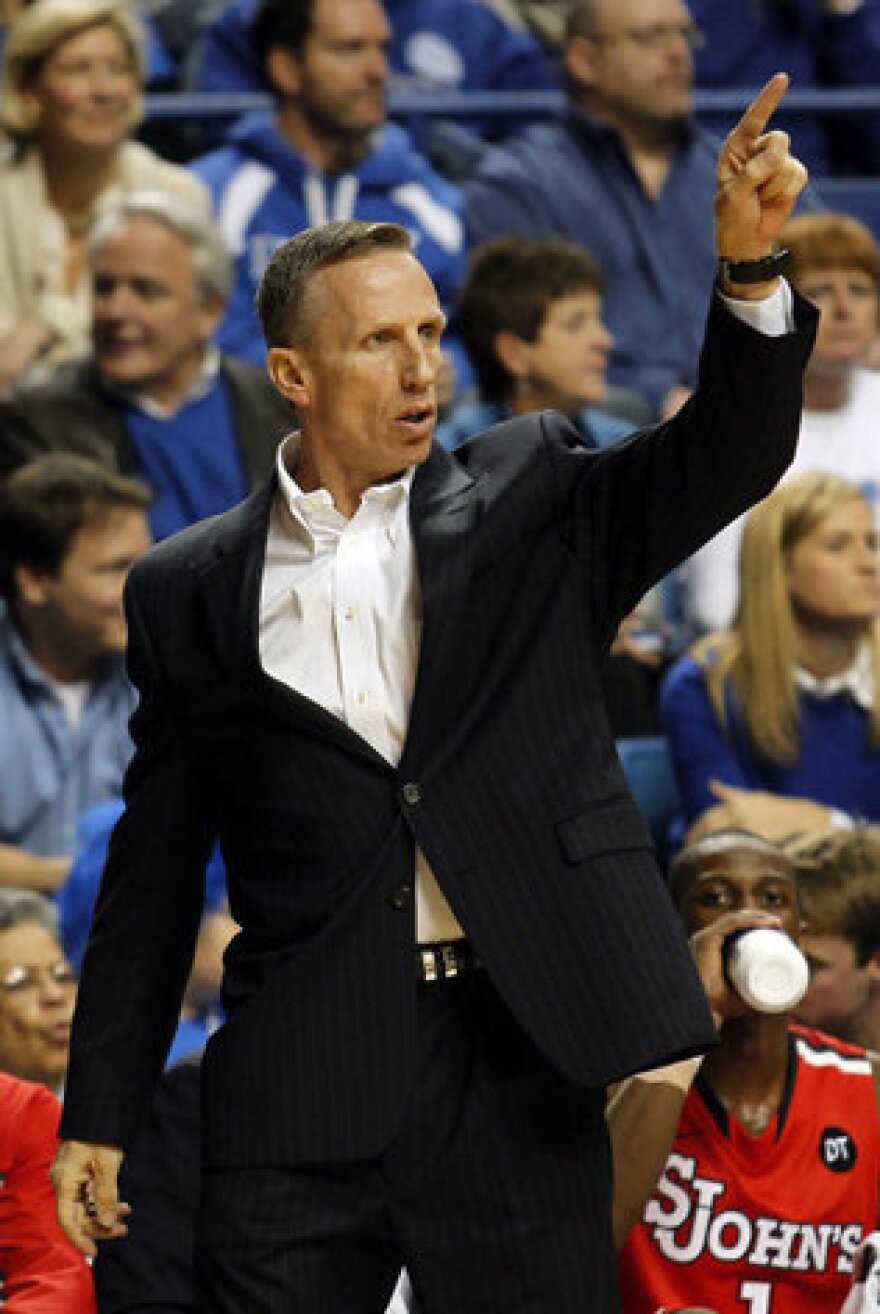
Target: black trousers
<point x="495" y="1194"/>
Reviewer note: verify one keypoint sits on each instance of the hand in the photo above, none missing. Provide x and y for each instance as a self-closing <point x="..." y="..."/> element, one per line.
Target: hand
<point x="674" y="400"/>
<point x="707" y="948"/>
<point x="758" y="181"/>
<point x="643" y="639"/>
<point x="771" y="816"/>
<point x="84" y="1178"/>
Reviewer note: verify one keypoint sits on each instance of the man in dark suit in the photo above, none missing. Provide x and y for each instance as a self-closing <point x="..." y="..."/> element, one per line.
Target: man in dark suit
<point x="377" y="681"/>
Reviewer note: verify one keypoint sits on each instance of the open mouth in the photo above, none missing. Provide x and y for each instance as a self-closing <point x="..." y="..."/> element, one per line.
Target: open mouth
<point x="417" y="418"/>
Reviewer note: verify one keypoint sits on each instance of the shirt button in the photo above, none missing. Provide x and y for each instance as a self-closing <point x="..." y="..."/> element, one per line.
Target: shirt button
<point x="350" y="613"/>
<point x="401" y="897"/>
<point x="361" y="697"/>
<point x="412" y="792"/>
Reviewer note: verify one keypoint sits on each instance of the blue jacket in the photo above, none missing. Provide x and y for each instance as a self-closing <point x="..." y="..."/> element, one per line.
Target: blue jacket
<point x="747" y="42"/>
<point x="573" y="178"/>
<point x="263" y="192"/>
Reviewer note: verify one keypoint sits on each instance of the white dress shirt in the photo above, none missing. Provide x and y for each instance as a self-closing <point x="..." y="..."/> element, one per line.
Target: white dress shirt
<point x="341" y="622"/>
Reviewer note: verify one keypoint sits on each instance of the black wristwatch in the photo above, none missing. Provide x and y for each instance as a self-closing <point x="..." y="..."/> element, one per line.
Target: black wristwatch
<point x="754" y="271"/>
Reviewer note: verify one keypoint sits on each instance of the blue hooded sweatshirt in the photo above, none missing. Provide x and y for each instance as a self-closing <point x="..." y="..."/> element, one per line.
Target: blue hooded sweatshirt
<point x="264" y="192"/>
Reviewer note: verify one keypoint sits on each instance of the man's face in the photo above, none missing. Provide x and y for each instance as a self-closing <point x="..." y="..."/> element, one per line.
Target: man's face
<point x="638" y="63"/>
<point x="342" y="75"/>
<point x="741" y="879"/>
<point x="78" y="610"/>
<point x="839" y="991"/>
<point x="568" y="362"/>
<point x="37" y="994"/>
<point x="364" y="379"/>
<point x="150" y="322"/>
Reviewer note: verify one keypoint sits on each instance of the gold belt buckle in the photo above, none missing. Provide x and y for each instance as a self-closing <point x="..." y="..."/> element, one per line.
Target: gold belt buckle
<point x="449" y="959"/>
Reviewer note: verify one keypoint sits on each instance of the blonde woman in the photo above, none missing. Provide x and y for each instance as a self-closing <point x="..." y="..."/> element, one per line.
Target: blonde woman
<point x="72" y="82"/>
<point x="774" y="724"/>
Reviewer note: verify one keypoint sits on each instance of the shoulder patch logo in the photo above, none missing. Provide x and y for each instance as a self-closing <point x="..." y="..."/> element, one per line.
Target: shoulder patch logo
<point x="837" y="1150"/>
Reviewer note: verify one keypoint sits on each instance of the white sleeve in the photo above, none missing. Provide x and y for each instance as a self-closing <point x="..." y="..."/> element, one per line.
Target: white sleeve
<point x="773" y="316"/>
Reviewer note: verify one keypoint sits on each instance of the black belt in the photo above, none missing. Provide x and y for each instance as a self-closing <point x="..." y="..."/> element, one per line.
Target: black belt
<point x="445" y="960"/>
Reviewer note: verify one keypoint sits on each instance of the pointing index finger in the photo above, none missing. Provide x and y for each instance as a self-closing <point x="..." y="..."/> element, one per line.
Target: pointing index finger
<point x="756" y="117"/>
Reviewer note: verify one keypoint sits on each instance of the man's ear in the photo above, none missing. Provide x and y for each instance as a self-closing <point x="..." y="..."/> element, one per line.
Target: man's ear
<point x="580" y="61"/>
<point x="283" y="71"/>
<point x="288" y="372"/>
<point x="513" y="353"/>
<point x="211" y="313"/>
<point x="873" y="966"/>
<point x="31" y="586"/>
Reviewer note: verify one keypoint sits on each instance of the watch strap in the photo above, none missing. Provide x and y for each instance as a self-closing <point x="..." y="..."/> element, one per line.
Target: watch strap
<point x="754" y="271"/>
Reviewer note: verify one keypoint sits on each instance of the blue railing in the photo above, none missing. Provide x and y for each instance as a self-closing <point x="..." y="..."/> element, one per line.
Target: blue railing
<point x="514" y="104"/>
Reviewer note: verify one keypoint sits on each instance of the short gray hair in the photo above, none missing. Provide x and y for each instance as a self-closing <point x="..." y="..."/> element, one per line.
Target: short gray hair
<point x="24" y="907"/>
<point x="281" y="296"/>
<point x="212" y="263"/>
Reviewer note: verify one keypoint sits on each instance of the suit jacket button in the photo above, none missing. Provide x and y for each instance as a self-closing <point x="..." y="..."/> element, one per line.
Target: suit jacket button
<point x="401" y="897"/>
<point x="412" y="792"/>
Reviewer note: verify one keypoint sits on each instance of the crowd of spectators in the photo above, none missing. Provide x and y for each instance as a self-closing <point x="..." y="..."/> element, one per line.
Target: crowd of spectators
<point x="574" y="256"/>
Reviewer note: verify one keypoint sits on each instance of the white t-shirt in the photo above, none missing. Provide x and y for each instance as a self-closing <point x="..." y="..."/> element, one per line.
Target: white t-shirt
<point x="844" y="442"/>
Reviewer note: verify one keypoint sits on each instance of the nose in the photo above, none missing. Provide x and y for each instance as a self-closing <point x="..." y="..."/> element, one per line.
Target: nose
<point x="52" y="992"/>
<point x="112" y="300"/>
<point x="420" y="365"/>
<point x="842" y="304"/>
<point x="868" y="559"/>
<point x="378" y="66"/>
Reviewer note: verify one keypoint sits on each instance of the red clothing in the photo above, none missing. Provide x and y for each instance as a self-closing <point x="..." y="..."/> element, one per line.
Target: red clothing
<point x="766" y="1224"/>
<point x="41" y="1272"/>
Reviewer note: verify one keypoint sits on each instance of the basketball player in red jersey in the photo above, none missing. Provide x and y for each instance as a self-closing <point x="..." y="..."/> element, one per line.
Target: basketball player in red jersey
<point x="766" y="1154"/>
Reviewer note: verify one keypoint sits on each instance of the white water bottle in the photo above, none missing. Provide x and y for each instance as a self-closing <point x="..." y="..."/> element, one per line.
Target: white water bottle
<point x="766" y="969"/>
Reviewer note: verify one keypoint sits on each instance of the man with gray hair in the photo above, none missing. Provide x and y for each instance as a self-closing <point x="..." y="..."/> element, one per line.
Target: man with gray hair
<point x="154" y="397"/>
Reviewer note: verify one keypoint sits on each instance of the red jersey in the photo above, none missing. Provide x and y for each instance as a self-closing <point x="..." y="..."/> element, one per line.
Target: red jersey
<point x="41" y="1272"/>
<point x="764" y="1224"/>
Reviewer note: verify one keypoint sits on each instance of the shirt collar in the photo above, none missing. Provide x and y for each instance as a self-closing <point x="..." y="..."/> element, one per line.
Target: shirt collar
<point x="857" y="680"/>
<point x="315" y="517"/>
<point x="587" y="125"/>
<point x="199" y="388"/>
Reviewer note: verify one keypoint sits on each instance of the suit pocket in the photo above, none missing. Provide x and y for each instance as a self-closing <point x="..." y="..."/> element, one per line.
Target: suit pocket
<point x="612" y="825"/>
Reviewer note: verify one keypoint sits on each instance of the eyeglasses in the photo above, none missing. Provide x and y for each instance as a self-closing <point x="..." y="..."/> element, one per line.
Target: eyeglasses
<point x="652" y="39"/>
<point x="23" y="980"/>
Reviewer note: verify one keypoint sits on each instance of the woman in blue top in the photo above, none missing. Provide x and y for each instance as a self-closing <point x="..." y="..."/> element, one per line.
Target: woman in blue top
<point x="774" y="724"/>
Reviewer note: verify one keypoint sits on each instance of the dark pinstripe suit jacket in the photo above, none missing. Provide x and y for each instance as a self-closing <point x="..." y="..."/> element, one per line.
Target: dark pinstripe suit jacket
<point x="530" y="550"/>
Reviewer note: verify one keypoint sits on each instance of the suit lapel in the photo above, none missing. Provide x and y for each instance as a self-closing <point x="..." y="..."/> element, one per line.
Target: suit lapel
<point x="444" y="509"/>
<point x="230" y="594"/>
<point x="230" y="586"/>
